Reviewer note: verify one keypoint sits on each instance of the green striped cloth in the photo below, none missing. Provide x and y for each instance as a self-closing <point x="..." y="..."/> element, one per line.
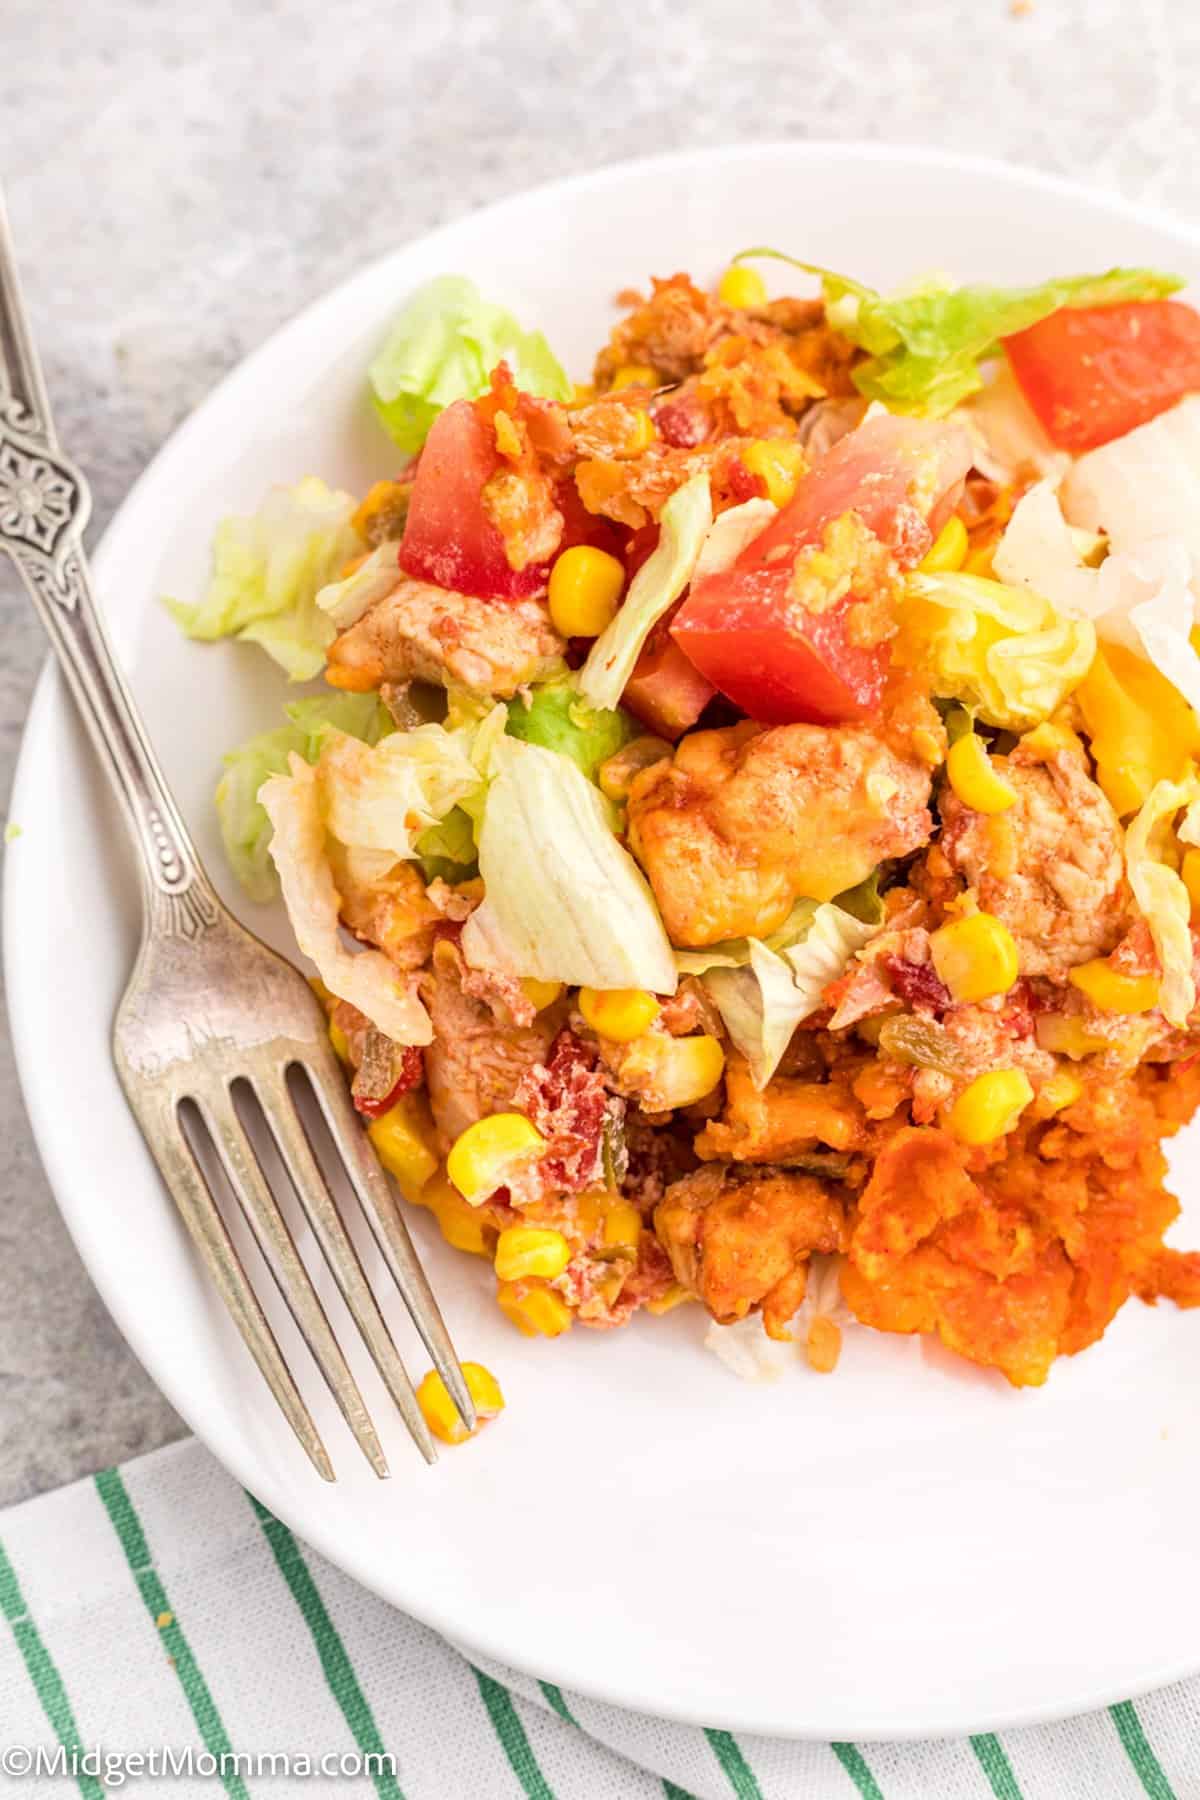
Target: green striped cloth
<point x="159" y="1608"/>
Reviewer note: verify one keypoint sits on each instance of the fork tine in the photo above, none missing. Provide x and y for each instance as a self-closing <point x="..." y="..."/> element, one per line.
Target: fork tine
<point x="271" y="1233"/>
<point x="339" y="1252"/>
<point x="190" y="1191"/>
<point x="390" y="1232"/>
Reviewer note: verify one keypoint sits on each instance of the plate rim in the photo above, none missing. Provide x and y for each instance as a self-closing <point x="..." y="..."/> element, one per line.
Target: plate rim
<point x="50" y="695"/>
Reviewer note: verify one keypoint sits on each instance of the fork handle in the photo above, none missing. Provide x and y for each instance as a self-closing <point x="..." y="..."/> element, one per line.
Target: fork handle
<point x="44" y="506"/>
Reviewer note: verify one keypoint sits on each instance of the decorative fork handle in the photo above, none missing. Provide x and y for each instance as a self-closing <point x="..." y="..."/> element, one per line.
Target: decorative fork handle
<point x="44" y="506"/>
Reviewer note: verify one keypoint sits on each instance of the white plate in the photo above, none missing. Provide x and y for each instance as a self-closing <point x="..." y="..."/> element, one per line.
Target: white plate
<point x="908" y="1548"/>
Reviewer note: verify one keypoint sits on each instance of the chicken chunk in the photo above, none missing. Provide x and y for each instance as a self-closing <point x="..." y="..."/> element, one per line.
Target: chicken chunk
<point x="743" y="822"/>
<point x="1050" y="867"/>
<point x="419" y="632"/>
<point x="787" y="1120"/>
<point x="740" y="1239"/>
<point x="475" y="1063"/>
<point x="390" y="910"/>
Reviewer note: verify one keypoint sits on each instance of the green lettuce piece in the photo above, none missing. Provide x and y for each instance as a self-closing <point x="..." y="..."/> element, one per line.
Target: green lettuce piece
<point x="245" y="828"/>
<point x="924" y="345"/>
<point x="556" y="718"/>
<point x="447" y="849"/>
<point x="267" y="571"/>
<point x="442" y="348"/>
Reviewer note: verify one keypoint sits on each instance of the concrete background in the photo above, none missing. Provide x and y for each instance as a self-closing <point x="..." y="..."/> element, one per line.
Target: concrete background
<point x="183" y="179"/>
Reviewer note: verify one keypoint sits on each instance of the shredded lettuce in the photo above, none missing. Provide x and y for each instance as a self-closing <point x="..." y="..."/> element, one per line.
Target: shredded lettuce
<point x="443" y="347"/>
<point x="267" y="571"/>
<point x="1003" y="651"/>
<point x="366" y="979"/>
<point x="684" y="524"/>
<point x="385" y="797"/>
<point x="555" y="717"/>
<point x="344" y="602"/>
<point x="1161" y="895"/>
<point x="1143" y="485"/>
<point x="564" y="901"/>
<point x="762" y="1004"/>
<point x="447" y="849"/>
<point x="245" y="827"/>
<point x="924" y="344"/>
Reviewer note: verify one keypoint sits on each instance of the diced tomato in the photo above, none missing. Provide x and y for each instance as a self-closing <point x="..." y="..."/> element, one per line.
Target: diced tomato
<point x="744" y="629"/>
<point x="581" y="526"/>
<point x="448" y="538"/>
<point x="1091" y="373"/>
<point x="666" y="691"/>
<point x="639" y="546"/>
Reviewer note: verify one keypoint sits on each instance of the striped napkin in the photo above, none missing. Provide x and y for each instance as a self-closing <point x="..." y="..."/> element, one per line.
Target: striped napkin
<point x="166" y="1633"/>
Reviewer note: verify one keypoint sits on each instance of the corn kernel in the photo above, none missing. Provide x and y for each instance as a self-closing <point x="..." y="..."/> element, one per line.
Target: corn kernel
<point x="1113" y="991"/>
<point x="404" y="1139"/>
<point x="675" y="1296"/>
<point x="1049" y="738"/>
<point x="622" y="1225"/>
<point x="582" y="394"/>
<point x="948" y="550"/>
<point x="585" y="587"/>
<point x="525" y="1250"/>
<point x="666" y="1072"/>
<point x="779" y="462"/>
<point x="1190" y="870"/>
<point x="928" y="746"/>
<point x="535" y="1310"/>
<point x="990" y="1106"/>
<point x="641" y="433"/>
<point x="620" y="1014"/>
<point x="440" y="1412"/>
<point x="461" y="1226"/>
<point x="487" y="1152"/>
<point x="1061" y="1089"/>
<point x="975" y="956"/>
<point x="590" y="1210"/>
<point x="635" y="375"/>
<point x="337" y="1038"/>
<point x="974" y="779"/>
<point x="540" y="994"/>
<point x="741" y="287"/>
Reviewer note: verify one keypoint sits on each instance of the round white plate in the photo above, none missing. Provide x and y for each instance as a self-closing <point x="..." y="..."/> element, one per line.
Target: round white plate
<point x="908" y="1548"/>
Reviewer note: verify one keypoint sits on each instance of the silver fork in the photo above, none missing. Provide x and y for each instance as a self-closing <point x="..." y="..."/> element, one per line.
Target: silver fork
<point x="209" y="1009"/>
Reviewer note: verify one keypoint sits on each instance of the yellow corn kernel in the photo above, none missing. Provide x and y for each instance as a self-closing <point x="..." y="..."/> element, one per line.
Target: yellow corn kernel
<point x="620" y="1014"/>
<point x="974" y="779"/>
<point x="675" y="1296"/>
<point x="1048" y="738"/>
<point x="582" y="394"/>
<point x="1113" y="991"/>
<point x="404" y="1140"/>
<point x="928" y="746"/>
<point x="948" y="550"/>
<point x="540" y="994"/>
<point x="741" y="287"/>
<point x="779" y="462"/>
<point x="622" y="1225"/>
<point x="461" y="1226"/>
<point x="635" y="375"/>
<point x="535" y="1310"/>
<point x="486" y="1153"/>
<point x="642" y="433"/>
<point x="585" y="587"/>
<point x="990" y="1106"/>
<point x="1061" y="1089"/>
<point x="1141" y="728"/>
<point x="1190" y="870"/>
<point x="337" y="1038"/>
<point x="666" y="1072"/>
<point x="525" y="1250"/>
<point x="975" y="956"/>
<point x="441" y="1414"/>
<point x="590" y="1210"/>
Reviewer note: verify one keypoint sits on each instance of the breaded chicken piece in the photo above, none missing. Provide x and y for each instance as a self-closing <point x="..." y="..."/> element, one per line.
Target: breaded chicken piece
<point x="786" y="1119"/>
<point x="740" y="1238"/>
<point x="474" y="1065"/>
<point x="743" y="822"/>
<point x="1050" y="867"/>
<point x="419" y="632"/>
<point x="390" y="911"/>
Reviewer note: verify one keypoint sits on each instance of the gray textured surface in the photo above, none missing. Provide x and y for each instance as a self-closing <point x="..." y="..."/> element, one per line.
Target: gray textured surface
<point x="181" y="180"/>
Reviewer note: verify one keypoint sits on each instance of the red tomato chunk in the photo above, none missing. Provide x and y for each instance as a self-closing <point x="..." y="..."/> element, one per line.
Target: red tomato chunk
<point x="1091" y="373"/>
